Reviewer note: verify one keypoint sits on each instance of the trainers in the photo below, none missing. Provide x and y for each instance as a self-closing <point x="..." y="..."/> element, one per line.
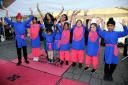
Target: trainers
<point x="73" y="64"/>
<point x="106" y="77"/>
<point x="67" y="63"/>
<point x="93" y="70"/>
<point x="110" y="78"/>
<point x="27" y="62"/>
<point x="19" y="63"/>
<point x="34" y="59"/>
<point x="87" y="68"/>
<point x="51" y="61"/>
<point x="37" y="58"/>
<point x="61" y="62"/>
<point x="80" y="65"/>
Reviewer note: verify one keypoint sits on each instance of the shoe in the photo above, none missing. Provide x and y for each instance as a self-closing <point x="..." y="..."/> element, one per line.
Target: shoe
<point x="80" y="65"/>
<point x="27" y="62"/>
<point x="87" y="68"/>
<point x="34" y="59"/>
<point x="110" y="78"/>
<point x="51" y="61"/>
<point x="106" y="77"/>
<point x="37" y="58"/>
<point x="61" y="62"/>
<point x="19" y="63"/>
<point x="93" y="70"/>
<point x="67" y="63"/>
<point x="73" y="64"/>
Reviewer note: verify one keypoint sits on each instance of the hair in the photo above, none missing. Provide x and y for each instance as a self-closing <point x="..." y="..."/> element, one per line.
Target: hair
<point x="35" y="18"/>
<point x="78" y="21"/>
<point x="49" y="30"/>
<point x="51" y="16"/>
<point x="67" y="24"/>
<point x="66" y="17"/>
<point x="93" y="24"/>
<point x="111" y="21"/>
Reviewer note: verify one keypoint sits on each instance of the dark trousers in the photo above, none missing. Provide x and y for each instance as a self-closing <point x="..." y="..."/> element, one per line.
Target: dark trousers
<point x="109" y="69"/>
<point x="125" y="48"/>
<point x="24" y="48"/>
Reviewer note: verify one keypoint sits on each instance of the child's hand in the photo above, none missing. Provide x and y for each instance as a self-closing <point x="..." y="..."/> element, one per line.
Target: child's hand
<point x="62" y="7"/>
<point x="30" y="9"/>
<point x="76" y="12"/>
<point x="123" y="23"/>
<point x="98" y="21"/>
<point x="6" y="13"/>
<point x="85" y="13"/>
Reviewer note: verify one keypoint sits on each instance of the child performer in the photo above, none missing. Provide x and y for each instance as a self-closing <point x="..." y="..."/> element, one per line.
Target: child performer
<point x="64" y="43"/>
<point x="20" y="27"/>
<point x="78" y="43"/>
<point x="57" y="39"/>
<point x="49" y="36"/>
<point x="35" y="38"/>
<point x="92" y="48"/>
<point x="111" y="49"/>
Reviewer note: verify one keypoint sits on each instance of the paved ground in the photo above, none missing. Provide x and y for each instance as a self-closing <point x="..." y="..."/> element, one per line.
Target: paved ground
<point x="8" y="52"/>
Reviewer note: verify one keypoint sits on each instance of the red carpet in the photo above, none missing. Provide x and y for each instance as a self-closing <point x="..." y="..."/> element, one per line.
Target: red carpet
<point x="45" y="67"/>
<point x="27" y="76"/>
<point x="70" y="82"/>
<point x="3" y="61"/>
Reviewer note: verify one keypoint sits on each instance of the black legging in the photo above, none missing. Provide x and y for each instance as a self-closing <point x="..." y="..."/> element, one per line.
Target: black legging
<point x="109" y="69"/>
<point x="24" y="48"/>
<point x="125" y="48"/>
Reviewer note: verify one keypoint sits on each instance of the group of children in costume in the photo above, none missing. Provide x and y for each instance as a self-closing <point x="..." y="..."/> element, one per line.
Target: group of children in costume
<point x="57" y="43"/>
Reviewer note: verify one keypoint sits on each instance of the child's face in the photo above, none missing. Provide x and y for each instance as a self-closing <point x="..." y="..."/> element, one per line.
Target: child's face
<point x="110" y="27"/>
<point x="63" y="18"/>
<point x="66" y="27"/>
<point x="79" y="24"/>
<point x="34" y="20"/>
<point x="49" y="33"/>
<point x="18" y="19"/>
<point x="93" y="28"/>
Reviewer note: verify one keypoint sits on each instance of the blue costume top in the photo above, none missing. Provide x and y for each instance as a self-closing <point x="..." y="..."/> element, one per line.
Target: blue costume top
<point x="110" y="39"/>
<point x="64" y="45"/>
<point x="49" y="40"/>
<point x="93" y="46"/>
<point x="78" y="44"/>
<point x="20" y="28"/>
<point x="57" y="38"/>
<point x="35" y="43"/>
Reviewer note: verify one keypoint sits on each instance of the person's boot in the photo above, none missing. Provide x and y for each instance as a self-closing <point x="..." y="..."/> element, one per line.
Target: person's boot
<point x="67" y="63"/>
<point x="73" y="64"/>
<point x="80" y="65"/>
